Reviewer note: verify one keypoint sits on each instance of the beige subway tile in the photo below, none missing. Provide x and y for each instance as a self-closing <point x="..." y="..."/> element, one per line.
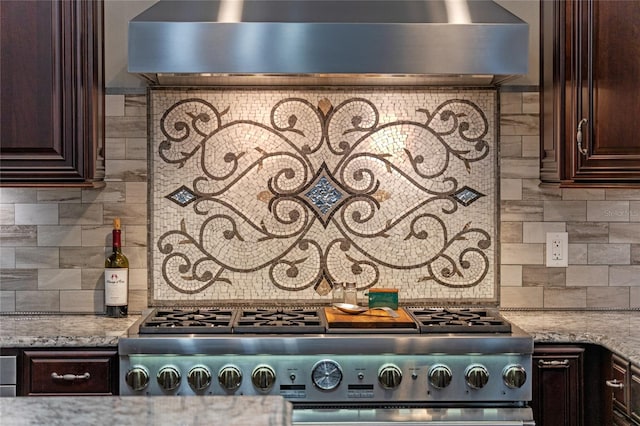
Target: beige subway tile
<point x="42" y="300"/>
<point x="7" y="301"/>
<point x="81" y="214"/>
<point x="511" y="189"/>
<point x="135" y="192"/>
<point x="521" y="254"/>
<point x="137" y="256"/>
<point x="532" y="189"/>
<point x="635" y="254"/>
<point x="582" y="194"/>
<point x="126" y="127"/>
<point x="511" y="275"/>
<point x="97" y="236"/>
<point x="129" y="214"/>
<point x="624" y="233"/>
<point x="59" y="195"/>
<point x="531" y="102"/>
<point x="578" y="254"/>
<point x="37" y="257"/>
<point x="115" y="148"/>
<point x="137" y="300"/>
<point x="510" y="146"/>
<point x="609" y="254"/>
<point x="587" y="275"/>
<point x="92" y="278"/>
<point x="609" y="297"/>
<point x="521" y="211"/>
<point x="7" y="214"/>
<point x="136" y="149"/>
<point x="82" y="257"/>
<point x="138" y="279"/>
<point x="135" y="235"/>
<point x="624" y="275"/>
<point x="634" y="297"/>
<point x="126" y="170"/>
<point x="531" y="146"/>
<point x="84" y="301"/>
<point x="622" y="194"/>
<point x="519" y="168"/>
<point x="634" y="211"/>
<point x="18" y="279"/>
<point x="608" y="211"/>
<point x="588" y="232"/>
<point x="511" y="232"/>
<point x="59" y="279"/>
<point x="112" y="192"/>
<point x="519" y="124"/>
<point x="7" y="257"/>
<point x="521" y="297"/>
<point x="18" y="195"/>
<point x="536" y="232"/>
<point x="58" y="235"/>
<point x="565" y="298"/>
<point x="543" y="276"/>
<point x="36" y="214"/>
<point x="510" y="102"/>
<point x="565" y="211"/>
<point x="135" y="105"/>
<point x="18" y="235"/>
<point x="114" y="105"/>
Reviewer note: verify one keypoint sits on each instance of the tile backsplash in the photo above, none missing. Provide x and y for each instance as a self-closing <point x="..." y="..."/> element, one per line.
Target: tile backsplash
<point x="53" y="241"/>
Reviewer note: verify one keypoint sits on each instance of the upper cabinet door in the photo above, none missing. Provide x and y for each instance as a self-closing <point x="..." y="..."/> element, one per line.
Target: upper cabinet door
<point x="52" y="92"/>
<point x="591" y="91"/>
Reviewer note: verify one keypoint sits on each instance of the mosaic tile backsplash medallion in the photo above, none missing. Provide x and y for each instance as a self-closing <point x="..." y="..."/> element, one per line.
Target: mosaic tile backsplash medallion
<point x="274" y="195"/>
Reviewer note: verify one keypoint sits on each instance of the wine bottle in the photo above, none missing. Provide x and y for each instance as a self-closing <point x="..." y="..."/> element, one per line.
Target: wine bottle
<point x="116" y="277"/>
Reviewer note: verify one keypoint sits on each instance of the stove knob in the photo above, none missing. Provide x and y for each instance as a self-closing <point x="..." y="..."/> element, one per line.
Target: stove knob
<point x="514" y="376"/>
<point x="263" y="377"/>
<point x="137" y="378"/>
<point x="168" y="378"/>
<point x="390" y="376"/>
<point x="477" y="376"/>
<point x="230" y="377"/>
<point x="199" y="378"/>
<point x="440" y="376"/>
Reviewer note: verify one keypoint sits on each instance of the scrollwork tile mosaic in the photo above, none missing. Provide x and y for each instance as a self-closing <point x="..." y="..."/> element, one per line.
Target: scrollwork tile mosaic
<point x="261" y="195"/>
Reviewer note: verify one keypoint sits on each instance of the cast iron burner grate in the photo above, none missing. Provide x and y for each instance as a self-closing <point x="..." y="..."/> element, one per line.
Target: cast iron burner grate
<point x="442" y="320"/>
<point x="279" y="321"/>
<point x="188" y="321"/>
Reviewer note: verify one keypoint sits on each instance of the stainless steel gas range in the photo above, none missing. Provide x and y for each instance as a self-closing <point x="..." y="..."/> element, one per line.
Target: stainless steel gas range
<point x="443" y="367"/>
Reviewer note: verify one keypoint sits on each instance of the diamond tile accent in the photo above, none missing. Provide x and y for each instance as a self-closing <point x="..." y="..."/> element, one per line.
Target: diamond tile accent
<point x="324" y="195"/>
<point x="182" y="196"/>
<point x="466" y="195"/>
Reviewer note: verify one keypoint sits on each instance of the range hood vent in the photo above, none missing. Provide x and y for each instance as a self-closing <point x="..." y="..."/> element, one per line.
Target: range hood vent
<point x="352" y="42"/>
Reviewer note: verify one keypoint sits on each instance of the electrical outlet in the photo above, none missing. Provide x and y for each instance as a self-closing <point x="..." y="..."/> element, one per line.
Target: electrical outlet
<point x="557" y="249"/>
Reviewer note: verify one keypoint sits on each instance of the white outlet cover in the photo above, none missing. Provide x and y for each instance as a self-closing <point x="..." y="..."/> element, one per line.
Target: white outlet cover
<point x="557" y="249"/>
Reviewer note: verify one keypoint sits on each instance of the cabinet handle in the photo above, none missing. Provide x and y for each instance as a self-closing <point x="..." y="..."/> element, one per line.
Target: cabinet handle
<point x="555" y="363"/>
<point x="582" y="122"/>
<point x="615" y="383"/>
<point x="70" y="377"/>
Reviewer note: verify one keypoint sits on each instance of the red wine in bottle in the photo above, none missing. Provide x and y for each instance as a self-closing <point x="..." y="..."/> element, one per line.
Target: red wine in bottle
<point x="116" y="277"/>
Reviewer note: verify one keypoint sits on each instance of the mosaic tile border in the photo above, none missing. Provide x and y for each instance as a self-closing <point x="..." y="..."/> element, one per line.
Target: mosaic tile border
<point x="270" y="196"/>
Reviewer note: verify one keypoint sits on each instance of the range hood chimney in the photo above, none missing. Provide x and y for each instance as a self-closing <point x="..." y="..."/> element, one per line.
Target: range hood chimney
<point x="353" y="42"/>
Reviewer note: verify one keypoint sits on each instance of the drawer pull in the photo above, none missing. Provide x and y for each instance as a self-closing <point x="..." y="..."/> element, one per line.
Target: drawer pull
<point x="615" y="383"/>
<point x="70" y="377"/>
<point x="555" y="363"/>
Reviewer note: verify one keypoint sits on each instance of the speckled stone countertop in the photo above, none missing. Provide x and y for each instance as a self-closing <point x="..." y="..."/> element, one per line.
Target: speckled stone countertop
<point x="139" y="411"/>
<point x="618" y="331"/>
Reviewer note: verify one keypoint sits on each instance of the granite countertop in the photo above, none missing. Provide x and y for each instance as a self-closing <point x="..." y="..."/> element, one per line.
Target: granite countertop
<point x="156" y="411"/>
<point x="618" y="331"/>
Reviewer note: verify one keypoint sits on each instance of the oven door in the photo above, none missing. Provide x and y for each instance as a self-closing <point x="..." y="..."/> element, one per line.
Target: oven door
<point x="414" y="416"/>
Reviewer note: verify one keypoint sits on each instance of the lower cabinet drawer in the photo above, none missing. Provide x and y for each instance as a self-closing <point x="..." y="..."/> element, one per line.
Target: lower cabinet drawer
<point x="70" y="373"/>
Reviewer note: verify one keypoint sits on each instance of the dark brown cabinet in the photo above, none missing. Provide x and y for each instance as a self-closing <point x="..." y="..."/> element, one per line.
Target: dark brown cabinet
<point x="589" y="92"/>
<point x="52" y="92"/>
<point x="71" y="372"/>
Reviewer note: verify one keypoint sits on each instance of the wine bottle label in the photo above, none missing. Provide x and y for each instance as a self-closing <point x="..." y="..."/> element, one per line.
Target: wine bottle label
<point x="116" y="283"/>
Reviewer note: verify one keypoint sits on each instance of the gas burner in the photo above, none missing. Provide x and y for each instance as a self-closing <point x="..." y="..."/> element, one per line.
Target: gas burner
<point x="188" y="321"/>
<point x="441" y="320"/>
<point x="279" y="321"/>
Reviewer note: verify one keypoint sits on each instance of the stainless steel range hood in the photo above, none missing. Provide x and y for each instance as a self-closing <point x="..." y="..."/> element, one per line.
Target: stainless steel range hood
<point x="257" y="42"/>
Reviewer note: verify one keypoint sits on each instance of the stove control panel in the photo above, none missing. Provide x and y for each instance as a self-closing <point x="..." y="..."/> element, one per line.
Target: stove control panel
<point x="333" y="378"/>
